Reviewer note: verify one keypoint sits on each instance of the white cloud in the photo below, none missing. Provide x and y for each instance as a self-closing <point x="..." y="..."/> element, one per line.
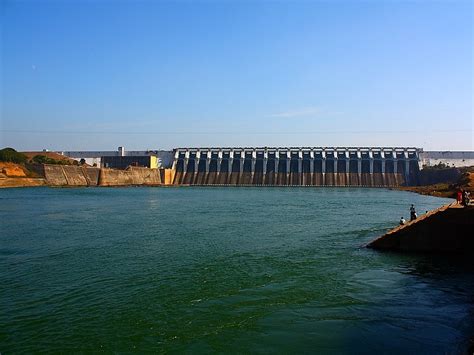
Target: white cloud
<point x="307" y="111"/>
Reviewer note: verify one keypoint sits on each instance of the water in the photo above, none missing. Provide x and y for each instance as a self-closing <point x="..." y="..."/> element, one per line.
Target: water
<point x="222" y="270"/>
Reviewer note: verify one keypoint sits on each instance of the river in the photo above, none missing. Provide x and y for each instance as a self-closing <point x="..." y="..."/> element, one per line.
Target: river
<point x="237" y="270"/>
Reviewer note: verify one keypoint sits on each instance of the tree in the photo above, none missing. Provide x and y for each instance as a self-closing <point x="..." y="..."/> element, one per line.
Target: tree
<point x="11" y="155"/>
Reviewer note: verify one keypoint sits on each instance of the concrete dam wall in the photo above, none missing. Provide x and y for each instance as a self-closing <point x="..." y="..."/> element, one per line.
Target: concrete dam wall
<point x="70" y="175"/>
<point x="131" y="176"/>
<point x="296" y="166"/>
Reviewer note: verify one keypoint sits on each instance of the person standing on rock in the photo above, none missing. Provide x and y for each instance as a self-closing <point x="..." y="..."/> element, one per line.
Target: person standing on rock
<point x="412" y="213"/>
<point x="459" y="196"/>
<point x="465" y="198"/>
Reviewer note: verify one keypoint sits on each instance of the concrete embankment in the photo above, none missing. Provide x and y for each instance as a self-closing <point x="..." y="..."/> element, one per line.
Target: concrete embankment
<point x="448" y="229"/>
<point x="58" y="175"/>
<point x="131" y="176"/>
<point x="69" y="175"/>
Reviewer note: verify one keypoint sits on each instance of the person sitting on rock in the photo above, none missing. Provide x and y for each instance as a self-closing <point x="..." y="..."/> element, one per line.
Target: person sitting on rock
<point x="402" y="221"/>
<point x="412" y="213"/>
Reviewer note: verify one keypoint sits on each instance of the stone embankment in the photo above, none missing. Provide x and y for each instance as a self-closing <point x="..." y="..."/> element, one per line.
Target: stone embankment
<point x="67" y="175"/>
<point x="71" y="175"/>
<point x="448" y="229"/>
<point x="131" y="176"/>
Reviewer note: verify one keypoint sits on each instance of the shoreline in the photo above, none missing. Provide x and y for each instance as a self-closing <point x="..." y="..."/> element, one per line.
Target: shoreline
<point x="429" y="190"/>
<point x="47" y="175"/>
<point x="25" y="182"/>
<point x="35" y="182"/>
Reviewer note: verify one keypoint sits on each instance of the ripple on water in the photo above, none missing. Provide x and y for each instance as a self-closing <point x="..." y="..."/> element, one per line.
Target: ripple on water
<point x="214" y="269"/>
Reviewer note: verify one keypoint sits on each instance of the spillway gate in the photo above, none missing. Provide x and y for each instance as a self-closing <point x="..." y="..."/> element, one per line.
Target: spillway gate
<point x="296" y="166"/>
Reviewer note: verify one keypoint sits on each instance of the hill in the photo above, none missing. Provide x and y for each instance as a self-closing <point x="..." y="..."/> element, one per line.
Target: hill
<point x="51" y="155"/>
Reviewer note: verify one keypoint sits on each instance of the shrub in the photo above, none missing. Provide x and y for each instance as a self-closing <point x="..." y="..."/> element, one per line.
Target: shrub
<point x="439" y="166"/>
<point x="40" y="159"/>
<point x="11" y="155"/>
<point x="43" y="159"/>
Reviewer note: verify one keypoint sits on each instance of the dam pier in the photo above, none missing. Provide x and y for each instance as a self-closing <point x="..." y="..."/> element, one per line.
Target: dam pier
<point x="304" y="166"/>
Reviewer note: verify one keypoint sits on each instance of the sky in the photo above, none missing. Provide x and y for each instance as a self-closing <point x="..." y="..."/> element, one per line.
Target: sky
<point x="95" y="75"/>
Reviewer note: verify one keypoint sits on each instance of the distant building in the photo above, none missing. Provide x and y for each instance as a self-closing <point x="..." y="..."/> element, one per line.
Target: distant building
<point x="456" y="159"/>
<point x="94" y="158"/>
<point x="123" y="162"/>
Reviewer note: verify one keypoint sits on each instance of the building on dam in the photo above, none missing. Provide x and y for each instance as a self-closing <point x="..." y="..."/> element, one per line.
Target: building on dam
<point x="303" y="166"/>
<point x="122" y="158"/>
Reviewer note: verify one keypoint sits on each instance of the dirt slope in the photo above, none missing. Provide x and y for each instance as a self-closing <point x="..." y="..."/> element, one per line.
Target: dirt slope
<point x="12" y="170"/>
<point x="465" y="182"/>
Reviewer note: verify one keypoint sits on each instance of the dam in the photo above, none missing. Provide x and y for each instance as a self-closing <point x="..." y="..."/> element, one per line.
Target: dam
<point x="296" y="166"/>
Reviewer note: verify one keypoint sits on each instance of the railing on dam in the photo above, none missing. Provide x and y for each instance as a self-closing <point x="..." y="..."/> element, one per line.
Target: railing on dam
<point x="296" y="166"/>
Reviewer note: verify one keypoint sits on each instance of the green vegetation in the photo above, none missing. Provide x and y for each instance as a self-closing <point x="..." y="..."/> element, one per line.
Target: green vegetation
<point x="439" y="166"/>
<point x="43" y="159"/>
<point x="11" y="155"/>
<point x="467" y="169"/>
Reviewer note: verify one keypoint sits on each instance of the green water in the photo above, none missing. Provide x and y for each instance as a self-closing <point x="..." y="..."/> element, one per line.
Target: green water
<point x="239" y="270"/>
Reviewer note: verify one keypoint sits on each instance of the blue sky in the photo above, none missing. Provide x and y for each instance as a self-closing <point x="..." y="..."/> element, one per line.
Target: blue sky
<point x="152" y="74"/>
